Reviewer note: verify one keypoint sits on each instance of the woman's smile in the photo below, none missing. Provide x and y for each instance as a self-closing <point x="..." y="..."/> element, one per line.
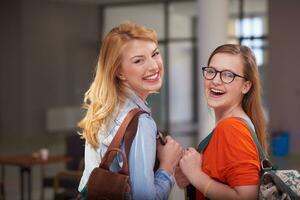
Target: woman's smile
<point x="216" y="92"/>
<point x="152" y="78"/>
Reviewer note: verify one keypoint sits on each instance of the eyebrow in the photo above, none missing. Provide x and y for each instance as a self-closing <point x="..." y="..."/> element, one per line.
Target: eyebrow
<point x="155" y="49"/>
<point x="225" y="68"/>
<point x="141" y="56"/>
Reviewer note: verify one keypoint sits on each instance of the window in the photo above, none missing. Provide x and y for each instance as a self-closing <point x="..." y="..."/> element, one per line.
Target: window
<point x="248" y="26"/>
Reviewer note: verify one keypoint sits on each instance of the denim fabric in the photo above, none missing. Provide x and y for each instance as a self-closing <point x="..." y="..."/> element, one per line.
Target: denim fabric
<point x="145" y="183"/>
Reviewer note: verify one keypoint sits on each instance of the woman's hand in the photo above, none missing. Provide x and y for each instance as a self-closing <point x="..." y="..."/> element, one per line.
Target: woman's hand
<point x="181" y="179"/>
<point x="190" y="163"/>
<point x="169" y="154"/>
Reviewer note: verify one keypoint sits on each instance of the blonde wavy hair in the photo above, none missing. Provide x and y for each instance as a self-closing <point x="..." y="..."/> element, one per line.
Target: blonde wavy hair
<point x="107" y="93"/>
<point x="251" y="102"/>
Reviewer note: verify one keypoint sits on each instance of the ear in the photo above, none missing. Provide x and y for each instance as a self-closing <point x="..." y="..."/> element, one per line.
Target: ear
<point x="246" y="87"/>
<point x="121" y="76"/>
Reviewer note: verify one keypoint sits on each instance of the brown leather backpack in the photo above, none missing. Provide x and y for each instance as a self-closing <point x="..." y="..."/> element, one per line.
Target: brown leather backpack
<point x="104" y="184"/>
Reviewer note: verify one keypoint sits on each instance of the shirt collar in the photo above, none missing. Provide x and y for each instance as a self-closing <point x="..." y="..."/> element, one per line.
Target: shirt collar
<point x="138" y="101"/>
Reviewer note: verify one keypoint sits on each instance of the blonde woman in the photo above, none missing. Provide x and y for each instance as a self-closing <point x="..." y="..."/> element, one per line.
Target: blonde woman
<point x="130" y="68"/>
<point x="229" y="167"/>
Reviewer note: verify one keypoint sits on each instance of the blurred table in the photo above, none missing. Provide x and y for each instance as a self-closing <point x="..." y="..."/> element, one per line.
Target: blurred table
<point x="25" y="163"/>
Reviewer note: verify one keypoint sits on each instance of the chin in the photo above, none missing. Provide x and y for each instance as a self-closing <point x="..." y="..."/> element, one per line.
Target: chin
<point x="154" y="90"/>
<point x="155" y="87"/>
<point x="213" y="105"/>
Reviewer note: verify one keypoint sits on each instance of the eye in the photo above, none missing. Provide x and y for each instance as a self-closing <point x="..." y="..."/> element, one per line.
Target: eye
<point x="137" y="61"/>
<point x="156" y="53"/>
<point x="210" y="71"/>
<point x="228" y="74"/>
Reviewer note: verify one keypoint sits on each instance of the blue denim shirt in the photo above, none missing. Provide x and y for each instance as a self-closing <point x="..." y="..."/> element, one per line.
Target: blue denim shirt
<point x="145" y="183"/>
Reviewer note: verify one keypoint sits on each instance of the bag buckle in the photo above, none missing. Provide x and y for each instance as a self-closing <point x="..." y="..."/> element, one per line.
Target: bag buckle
<point x="266" y="165"/>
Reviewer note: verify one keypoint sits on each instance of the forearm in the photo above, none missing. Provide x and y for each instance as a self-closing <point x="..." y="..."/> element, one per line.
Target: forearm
<point x="156" y="188"/>
<point x="164" y="183"/>
<point x="216" y="190"/>
<point x="147" y="184"/>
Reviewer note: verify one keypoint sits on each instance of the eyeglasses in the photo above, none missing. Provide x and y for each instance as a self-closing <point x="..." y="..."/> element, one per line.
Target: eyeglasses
<point x="226" y="76"/>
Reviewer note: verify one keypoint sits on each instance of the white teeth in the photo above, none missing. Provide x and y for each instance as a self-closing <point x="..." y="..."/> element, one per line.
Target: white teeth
<point x="216" y="90"/>
<point x="153" y="77"/>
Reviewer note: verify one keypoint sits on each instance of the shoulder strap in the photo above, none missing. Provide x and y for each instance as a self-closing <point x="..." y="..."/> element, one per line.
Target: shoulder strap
<point x="265" y="164"/>
<point x="260" y="149"/>
<point x="203" y="144"/>
<point x="126" y="127"/>
<point x="131" y="132"/>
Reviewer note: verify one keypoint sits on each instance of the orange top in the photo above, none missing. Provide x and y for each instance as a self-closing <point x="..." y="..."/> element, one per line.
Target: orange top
<point x="231" y="157"/>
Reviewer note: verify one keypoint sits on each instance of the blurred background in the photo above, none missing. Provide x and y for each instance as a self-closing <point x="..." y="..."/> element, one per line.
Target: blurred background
<point x="48" y="53"/>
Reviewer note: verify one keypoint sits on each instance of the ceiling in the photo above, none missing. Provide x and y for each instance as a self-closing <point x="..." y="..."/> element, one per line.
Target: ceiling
<point x="103" y="2"/>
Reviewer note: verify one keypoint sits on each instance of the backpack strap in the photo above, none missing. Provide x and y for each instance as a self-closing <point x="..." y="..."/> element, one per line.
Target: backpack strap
<point x="126" y="127"/>
<point x="190" y="192"/>
<point x="265" y="163"/>
<point x="131" y="132"/>
<point x="254" y="136"/>
<point x="203" y="144"/>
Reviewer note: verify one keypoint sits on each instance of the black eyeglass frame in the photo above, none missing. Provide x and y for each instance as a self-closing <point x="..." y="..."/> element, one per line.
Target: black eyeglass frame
<point x="217" y="71"/>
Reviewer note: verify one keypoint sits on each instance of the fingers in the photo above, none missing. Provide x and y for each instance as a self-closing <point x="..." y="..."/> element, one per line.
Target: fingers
<point x="190" y="151"/>
<point x="190" y="154"/>
<point x="169" y="154"/>
<point x="175" y="145"/>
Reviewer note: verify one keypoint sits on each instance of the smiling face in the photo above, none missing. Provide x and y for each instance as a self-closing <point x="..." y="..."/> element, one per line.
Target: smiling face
<point x="141" y="67"/>
<point x="222" y="97"/>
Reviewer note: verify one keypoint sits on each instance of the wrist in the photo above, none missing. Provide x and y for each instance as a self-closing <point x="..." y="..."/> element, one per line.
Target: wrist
<point x="207" y="187"/>
<point x="167" y="168"/>
<point x="199" y="180"/>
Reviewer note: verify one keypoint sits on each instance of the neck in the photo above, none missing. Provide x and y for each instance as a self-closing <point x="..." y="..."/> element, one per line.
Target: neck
<point x="143" y="97"/>
<point x="233" y="111"/>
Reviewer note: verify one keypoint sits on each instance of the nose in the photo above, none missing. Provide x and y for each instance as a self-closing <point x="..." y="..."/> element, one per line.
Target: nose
<point x="153" y="64"/>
